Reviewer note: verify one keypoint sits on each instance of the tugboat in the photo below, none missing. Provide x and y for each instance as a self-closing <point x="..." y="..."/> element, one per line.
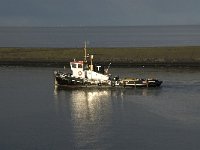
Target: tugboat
<point x="84" y="74"/>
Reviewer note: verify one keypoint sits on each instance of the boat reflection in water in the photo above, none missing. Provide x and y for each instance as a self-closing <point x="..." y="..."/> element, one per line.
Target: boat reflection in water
<point x="90" y="112"/>
<point x="92" y="101"/>
<point x="93" y="112"/>
<point x="87" y="101"/>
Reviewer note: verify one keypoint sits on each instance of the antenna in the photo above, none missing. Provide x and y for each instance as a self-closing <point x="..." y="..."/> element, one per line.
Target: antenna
<point x="107" y="69"/>
<point x="109" y="65"/>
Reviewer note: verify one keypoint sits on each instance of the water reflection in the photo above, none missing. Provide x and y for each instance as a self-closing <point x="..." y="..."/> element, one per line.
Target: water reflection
<point x="96" y="104"/>
<point x="90" y="112"/>
<point x="92" y="93"/>
<point x="87" y="102"/>
<point x="93" y="112"/>
<point x="92" y="100"/>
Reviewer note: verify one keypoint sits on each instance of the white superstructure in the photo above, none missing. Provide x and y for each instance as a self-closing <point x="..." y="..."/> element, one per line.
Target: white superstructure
<point x="85" y="70"/>
<point x="82" y="70"/>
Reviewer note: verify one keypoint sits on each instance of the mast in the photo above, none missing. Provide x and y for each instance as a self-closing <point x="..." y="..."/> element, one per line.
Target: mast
<point x="85" y="53"/>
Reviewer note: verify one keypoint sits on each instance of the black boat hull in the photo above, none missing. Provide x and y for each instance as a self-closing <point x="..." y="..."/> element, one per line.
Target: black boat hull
<point x="72" y="82"/>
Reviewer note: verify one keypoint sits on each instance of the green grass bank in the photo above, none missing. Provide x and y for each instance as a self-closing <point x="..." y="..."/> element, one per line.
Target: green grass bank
<point x="147" y="56"/>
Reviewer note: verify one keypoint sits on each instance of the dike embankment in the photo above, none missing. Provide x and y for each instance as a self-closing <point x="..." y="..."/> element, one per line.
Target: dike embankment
<point x="121" y="57"/>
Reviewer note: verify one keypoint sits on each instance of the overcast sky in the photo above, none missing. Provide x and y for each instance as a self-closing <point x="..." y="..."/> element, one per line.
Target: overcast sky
<point x="99" y="12"/>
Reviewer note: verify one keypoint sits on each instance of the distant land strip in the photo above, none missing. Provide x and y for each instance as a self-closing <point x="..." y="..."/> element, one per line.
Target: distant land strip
<point x="188" y="56"/>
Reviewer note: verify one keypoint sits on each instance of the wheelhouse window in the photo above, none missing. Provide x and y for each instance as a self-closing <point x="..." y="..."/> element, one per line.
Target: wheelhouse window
<point x="80" y="66"/>
<point x="73" y="65"/>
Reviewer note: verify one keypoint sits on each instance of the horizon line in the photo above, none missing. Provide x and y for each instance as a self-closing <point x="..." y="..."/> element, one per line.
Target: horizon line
<point x="79" y="26"/>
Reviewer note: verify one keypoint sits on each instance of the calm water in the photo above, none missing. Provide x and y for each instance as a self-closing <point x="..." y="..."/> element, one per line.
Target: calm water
<point x="140" y="36"/>
<point x="36" y="116"/>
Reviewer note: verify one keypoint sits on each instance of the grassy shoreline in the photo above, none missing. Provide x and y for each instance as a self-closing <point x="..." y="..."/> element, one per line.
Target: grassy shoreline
<point x="146" y="56"/>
